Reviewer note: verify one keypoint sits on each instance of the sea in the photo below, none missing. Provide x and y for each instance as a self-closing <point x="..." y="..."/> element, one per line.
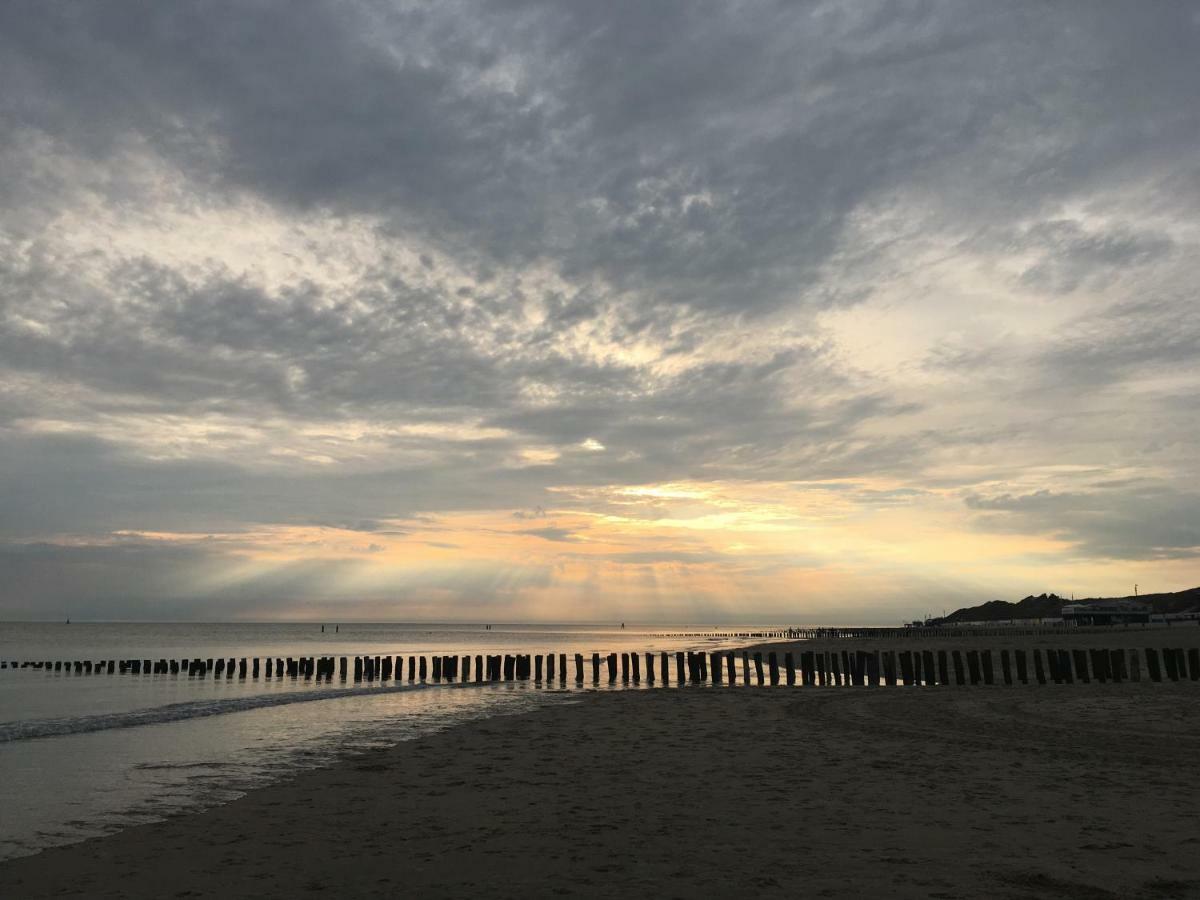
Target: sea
<point x="85" y="755"/>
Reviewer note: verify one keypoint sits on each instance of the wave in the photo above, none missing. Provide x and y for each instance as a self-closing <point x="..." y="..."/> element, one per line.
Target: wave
<point x="178" y="712"/>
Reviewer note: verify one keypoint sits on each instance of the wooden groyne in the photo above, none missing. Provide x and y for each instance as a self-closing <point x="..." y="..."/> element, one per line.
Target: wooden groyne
<point x="812" y="668"/>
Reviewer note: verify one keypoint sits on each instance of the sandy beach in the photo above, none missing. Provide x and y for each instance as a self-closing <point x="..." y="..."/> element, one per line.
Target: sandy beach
<point x="1076" y="791"/>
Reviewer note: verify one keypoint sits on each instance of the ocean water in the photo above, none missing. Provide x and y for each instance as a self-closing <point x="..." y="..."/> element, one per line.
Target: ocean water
<point x="82" y="755"/>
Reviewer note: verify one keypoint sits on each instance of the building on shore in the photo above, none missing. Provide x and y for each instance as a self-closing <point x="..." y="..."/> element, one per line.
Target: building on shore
<point x="1106" y="612"/>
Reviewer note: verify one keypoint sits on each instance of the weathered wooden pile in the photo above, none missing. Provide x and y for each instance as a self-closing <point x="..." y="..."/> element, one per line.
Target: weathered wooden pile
<point x="815" y="668"/>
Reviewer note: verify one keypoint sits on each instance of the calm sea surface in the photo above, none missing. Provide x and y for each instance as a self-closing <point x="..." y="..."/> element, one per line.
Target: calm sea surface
<point x="82" y="755"/>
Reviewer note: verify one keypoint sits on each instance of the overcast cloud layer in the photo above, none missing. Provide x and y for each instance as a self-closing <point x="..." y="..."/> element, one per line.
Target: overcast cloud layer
<point x="653" y="310"/>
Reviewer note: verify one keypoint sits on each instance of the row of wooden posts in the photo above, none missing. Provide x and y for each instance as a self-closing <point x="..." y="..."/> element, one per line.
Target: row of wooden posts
<point x="815" y="668"/>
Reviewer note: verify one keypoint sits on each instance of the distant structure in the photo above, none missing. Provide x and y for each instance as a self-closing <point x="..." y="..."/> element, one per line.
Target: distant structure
<point x="1106" y="612"/>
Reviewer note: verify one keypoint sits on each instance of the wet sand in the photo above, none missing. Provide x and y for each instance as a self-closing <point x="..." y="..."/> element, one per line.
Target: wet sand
<point x="1072" y="791"/>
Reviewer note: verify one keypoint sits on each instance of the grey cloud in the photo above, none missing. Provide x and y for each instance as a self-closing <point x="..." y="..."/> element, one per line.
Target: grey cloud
<point x="1073" y="257"/>
<point x="552" y="533"/>
<point x="1150" y="521"/>
<point x="628" y="140"/>
<point x="1145" y="334"/>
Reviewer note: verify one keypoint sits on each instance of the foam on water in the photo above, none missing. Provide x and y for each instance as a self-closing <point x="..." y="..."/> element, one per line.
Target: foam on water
<point x="176" y="712"/>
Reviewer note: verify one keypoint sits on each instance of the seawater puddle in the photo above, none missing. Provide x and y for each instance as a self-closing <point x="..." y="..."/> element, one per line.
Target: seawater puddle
<point x="88" y="776"/>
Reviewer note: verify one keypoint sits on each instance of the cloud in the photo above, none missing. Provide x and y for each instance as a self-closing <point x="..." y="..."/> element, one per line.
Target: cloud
<point x="353" y="264"/>
<point x="552" y="533"/>
<point x="1142" y="521"/>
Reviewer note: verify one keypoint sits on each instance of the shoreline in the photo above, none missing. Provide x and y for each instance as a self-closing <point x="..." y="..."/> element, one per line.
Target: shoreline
<point x="1026" y="792"/>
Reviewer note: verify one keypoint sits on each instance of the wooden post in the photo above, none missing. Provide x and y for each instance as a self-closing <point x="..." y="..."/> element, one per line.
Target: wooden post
<point x="943" y="668"/>
<point x="549" y="667"/>
<point x="821" y="672"/>
<point x="906" y="666"/>
<point x="679" y="675"/>
<point x="973" y="666"/>
<point x="537" y="670"/>
<point x="1064" y="666"/>
<point x="959" y="672"/>
<point x="479" y="670"/>
<point x="595" y="668"/>
<point x="918" y="674"/>
<point x="1116" y="665"/>
<point x="625" y="668"/>
<point x="666" y="668"/>
<point x="437" y="668"/>
<point x="636" y="661"/>
<point x="1135" y="666"/>
<point x="1170" y="663"/>
<point x="1081" y="665"/>
<point x="702" y="666"/>
<point x="835" y="669"/>
<point x="731" y="668"/>
<point x="746" y="668"/>
<point x="1006" y="666"/>
<point x="1039" y="671"/>
<point x="579" y="668"/>
<point x="612" y="668"/>
<point x="989" y="676"/>
<point x="789" y="669"/>
<point x="358" y="668"/>
<point x="1152" y="665"/>
<point x="1052" y="663"/>
<point x="1193" y="663"/>
<point x="649" y="668"/>
<point x="758" y="668"/>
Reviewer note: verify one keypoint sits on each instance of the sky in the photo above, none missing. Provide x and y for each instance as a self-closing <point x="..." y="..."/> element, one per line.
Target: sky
<point x="529" y="311"/>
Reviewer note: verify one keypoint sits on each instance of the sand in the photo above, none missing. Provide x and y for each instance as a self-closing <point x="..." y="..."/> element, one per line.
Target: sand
<point x="1021" y="792"/>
